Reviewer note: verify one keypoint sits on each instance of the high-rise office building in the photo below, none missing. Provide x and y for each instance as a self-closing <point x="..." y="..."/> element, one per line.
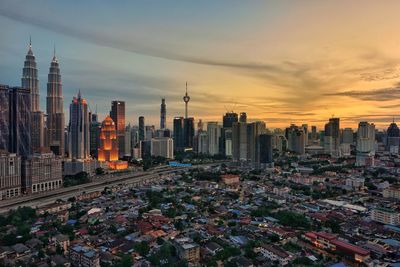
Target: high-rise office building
<point x="365" y="144"/>
<point x="188" y="132"/>
<point x="15" y="120"/>
<point x="163" y="114"/>
<point x="225" y="145"/>
<point x="10" y="174"/>
<point x="202" y="143"/>
<point x="347" y="136"/>
<point x="118" y="115"/>
<point x="314" y="134"/>
<point x="239" y="142"/>
<point x="214" y="134"/>
<point x="264" y="150"/>
<point x="141" y="129"/>
<point x="243" y="117"/>
<point x="41" y="172"/>
<point x="128" y="141"/>
<point x="393" y="138"/>
<point x="150" y="132"/>
<point x="296" y="139"/>
<point x="178" y="134"/>
<point x="95" y="128"/>
<point x="228" y="119"/>
<point x="108" y="150"/>
<point x="55" y="122"/>
<point x="162" y="147"/>
<point x="30" y="81"/>
<point x="254" y="129"/>
<point x="332" y="137"/>
<point x="30" y="78"/>
<point x="79" y="128"/>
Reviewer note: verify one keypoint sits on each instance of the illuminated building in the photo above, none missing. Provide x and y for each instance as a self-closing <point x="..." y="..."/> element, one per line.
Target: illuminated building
<point x="118" y="116"/>
<point x="108" y="150"/>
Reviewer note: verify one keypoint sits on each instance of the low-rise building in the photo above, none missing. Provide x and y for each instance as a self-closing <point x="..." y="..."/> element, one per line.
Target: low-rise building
<point x="392" y="192"/>
<point x="385" y="216"/>
<point x="84" y="256"/>
<point x="187" y="250"/>
<point x="275" y="254"/>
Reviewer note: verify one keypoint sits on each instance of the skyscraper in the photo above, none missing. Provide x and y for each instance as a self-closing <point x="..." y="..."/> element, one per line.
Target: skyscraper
<point x="243" y="117"/>
<point x="228" y="119"/>
<point x="332" y="137"/>
<point x="79" y="134"/>
<point x="15" y="120"/>
<point x="296" y="139"/>
<point x="226" y="133"/>
<point x="30" y="78"/>
<point x="141" y="129"/>
<point x="54" y="108"/>
<point x="264" y="150"/>
<point x="95" y="128"/>
<point x="365" y="144"/>
<point x="239" y="141"/>
<point x="347" y="136"/>
<point x="30" y="81"/>
<point x="393" y="138"/>
<point x="118" y="116"/>
<point x="214" y="133"/>
<point x="178" y="134"/>
<point x="188" y="132"/>
<point x="108" y="150"/>
<point x="163" y="114"/>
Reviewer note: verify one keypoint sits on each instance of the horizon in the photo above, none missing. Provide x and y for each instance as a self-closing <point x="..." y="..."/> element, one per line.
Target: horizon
<point x="144" y="54"/>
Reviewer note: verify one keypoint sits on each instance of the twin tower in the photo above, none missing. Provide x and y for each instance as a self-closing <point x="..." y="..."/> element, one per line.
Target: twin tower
<point x="49" y="132"/>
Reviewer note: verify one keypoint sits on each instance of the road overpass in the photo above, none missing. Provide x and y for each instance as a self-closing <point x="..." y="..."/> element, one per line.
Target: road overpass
<point x="132" y="179"/>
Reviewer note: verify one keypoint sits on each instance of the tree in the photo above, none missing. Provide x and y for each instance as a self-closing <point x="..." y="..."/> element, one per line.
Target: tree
<point x="142" y="248"/>
<point x="100" y="171"/>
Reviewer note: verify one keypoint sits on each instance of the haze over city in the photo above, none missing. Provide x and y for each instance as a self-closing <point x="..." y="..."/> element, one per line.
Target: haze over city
<point x="281" y="62"/>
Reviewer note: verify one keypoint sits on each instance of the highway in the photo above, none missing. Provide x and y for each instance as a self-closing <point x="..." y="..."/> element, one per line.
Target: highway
<point x="99" y="183"/>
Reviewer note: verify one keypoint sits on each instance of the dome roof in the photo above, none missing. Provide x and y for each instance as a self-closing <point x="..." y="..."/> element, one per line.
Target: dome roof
<point x="108" y="121"/>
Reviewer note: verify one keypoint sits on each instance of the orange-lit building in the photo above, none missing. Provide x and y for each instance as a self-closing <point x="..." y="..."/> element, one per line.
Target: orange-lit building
<point x="108" y="150"/>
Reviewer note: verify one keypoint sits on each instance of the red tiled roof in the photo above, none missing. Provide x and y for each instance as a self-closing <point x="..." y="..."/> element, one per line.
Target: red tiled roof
<point x="349" y="247"/>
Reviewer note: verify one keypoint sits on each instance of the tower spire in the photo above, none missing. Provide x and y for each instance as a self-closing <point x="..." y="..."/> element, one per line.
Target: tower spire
<point x="30" y="41"/>
<point x="186" y="99"/>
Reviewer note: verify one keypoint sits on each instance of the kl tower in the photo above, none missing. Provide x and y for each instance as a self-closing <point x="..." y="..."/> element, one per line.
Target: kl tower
<point x="186" y="99"/>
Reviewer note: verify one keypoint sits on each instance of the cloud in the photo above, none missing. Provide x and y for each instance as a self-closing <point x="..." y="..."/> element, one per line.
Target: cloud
<point x="113" y="41"/>
<point x="387" y="74"/>
<point x="383" y="94"/>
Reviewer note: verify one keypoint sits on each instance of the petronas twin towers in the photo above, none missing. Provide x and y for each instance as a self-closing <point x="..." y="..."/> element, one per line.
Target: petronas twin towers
<point x="53" y="134"/>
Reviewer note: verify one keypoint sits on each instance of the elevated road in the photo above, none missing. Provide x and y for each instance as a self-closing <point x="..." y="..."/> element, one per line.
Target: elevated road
<point x="132" y="179"/>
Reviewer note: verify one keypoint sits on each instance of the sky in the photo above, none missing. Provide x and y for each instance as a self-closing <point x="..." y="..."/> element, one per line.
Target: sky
<point x="281" y="61"/>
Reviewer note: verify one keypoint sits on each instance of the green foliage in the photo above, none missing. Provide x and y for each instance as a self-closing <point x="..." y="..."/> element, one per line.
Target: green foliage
<point x="227" y="252"/>
<point x="77" y="179"/>
<point x="99" y="171"/>
<point x="142" y="248"/>
<point x="22" y="219"/>
<point x="125" y="261"/>
<point x="292" y="219"/>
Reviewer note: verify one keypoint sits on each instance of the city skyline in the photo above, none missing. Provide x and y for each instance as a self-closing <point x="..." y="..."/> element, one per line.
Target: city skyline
<point x="345" y="67"/>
